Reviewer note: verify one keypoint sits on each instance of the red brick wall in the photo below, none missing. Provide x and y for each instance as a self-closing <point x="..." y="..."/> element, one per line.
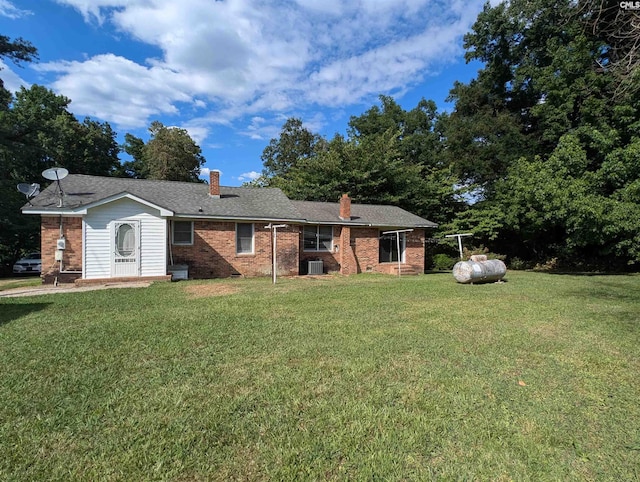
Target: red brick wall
<point x="72" y="255"/>
<point x="366" y="246"/>
<point x="359" y="252"/>
<point x="366" y="249"/>
<point x="414" y="254"/>
<point x="330" y="260"/>
<point x="213" y="253"/>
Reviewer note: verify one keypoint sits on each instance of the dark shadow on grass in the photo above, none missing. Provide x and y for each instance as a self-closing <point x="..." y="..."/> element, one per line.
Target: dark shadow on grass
<point x="10" y="312"/>
<point x="611" y="290"/>
<point x="586" y="273"/>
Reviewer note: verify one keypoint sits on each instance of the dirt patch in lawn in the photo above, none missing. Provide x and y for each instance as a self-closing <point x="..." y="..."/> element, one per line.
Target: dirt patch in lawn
<point x="207" y="290"/>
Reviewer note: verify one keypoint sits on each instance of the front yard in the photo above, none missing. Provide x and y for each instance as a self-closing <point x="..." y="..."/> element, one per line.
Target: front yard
<point x="361" y="378"/>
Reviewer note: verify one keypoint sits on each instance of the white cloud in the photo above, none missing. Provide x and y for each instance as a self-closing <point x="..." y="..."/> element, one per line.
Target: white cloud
<point x="204" y="172"/>
<point x="389" y="68"/>
<point x="333" y="7"/>
<point x="198" y="133"/>
<point x="263" y="129"/>
<point x="7" y="9"/>
<point x="92" y="9"/>
<point x="248" y="176"/>
<point x="235" y="59"/>
<point x="12" y="81"/>
<point x="119" y="90"/>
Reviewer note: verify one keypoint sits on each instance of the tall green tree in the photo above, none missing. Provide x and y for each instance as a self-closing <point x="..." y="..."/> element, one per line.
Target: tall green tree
<point x="45" y="134"/>
<point x="547" y="133"/>
<point x="136" y="166"/>
<point x="14" y="234"/>
<point x="39" y="132"/>
<point x="170" y="154"/>
<point x="390" y="156"/>
<point x="428" y="186"/>
<point x="296" y="144"/>
<point x="17" y="51"/>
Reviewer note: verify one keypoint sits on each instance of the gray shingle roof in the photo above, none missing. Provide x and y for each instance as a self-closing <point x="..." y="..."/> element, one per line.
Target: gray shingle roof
<point x="193" y="200"/>
<point x="361" y="214"/>
<point x="183" y="198"/>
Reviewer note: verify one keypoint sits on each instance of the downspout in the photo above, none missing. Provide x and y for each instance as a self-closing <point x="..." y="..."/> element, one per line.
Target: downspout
<point x="169" y="242"/>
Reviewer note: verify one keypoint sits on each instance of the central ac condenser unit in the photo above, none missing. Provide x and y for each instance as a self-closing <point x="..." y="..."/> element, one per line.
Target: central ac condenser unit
<point x="315" y="267"/>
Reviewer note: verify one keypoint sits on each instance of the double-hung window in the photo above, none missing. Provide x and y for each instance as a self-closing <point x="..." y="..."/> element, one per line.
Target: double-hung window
<point x="182" y="232"/>
<point x="389" y="248"/>
<point x="318" y="238"/>
<point x="244" y="238"/>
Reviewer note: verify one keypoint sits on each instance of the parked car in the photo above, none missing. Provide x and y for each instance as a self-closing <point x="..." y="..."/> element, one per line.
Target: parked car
<point x="32" y="263"/>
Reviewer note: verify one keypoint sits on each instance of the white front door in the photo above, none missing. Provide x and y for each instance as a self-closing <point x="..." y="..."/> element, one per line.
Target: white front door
<point x="125" y="243"/>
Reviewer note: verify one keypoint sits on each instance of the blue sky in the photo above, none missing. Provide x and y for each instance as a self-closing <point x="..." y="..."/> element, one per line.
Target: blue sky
<point x="231" y="72"/>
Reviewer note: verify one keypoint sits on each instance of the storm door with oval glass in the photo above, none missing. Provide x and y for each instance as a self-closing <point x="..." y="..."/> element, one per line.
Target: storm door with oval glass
<point x="126" y="249"/>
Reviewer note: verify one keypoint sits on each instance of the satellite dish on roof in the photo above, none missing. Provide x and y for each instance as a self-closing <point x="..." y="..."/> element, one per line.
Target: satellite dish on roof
<point x="29" y="190"/>
<point x="55" y="173"/>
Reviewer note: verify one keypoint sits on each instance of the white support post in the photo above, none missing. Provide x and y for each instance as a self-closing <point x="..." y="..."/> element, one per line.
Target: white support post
<point x="459" y="236"/>
<point x="274" y="263"/>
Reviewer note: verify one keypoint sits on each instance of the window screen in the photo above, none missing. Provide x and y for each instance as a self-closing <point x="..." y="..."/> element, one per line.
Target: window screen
<point x="182" y="232"/>
<point x="244" y="238"/>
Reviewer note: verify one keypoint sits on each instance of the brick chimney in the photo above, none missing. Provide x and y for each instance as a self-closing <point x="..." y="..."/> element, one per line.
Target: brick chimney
<point x="214" y="184"/>
<point x="345" y="207"/>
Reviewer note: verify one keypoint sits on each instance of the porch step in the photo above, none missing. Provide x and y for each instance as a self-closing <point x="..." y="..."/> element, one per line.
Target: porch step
<point x="406" y="271"/>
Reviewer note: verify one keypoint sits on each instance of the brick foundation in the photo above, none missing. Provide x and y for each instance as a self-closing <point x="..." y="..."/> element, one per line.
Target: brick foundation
<point x="128" y="279"/>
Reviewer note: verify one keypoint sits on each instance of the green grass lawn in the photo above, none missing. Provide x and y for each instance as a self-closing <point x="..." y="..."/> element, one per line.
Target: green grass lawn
<point x="19" y="282"/>
<point x="360" y="378"/>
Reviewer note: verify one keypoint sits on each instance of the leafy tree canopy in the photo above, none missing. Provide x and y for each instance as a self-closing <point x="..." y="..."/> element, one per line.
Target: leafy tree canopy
<point x="390" y="156"/>
<point x="170" y="154"/>
<point x="547" y="131"/>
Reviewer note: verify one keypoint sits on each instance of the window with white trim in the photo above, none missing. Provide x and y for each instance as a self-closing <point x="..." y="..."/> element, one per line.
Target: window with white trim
<point x="389" y="248"/>
<point x="182" y="232"/>
<point x="244" y="238"/>
<point x="317" y="238"/>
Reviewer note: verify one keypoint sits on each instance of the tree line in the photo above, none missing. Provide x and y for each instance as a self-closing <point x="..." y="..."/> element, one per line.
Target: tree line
<point x="539" y="156"/>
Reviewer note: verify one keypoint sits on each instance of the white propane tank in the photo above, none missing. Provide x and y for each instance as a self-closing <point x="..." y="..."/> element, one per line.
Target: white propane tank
<point x="479" y="271"/>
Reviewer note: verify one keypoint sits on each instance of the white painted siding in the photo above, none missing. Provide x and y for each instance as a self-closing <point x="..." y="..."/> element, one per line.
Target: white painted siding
<point x="98" y="243"/>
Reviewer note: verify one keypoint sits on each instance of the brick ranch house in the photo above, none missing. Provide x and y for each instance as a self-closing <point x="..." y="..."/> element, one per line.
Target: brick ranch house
<point x="103" y="228"/>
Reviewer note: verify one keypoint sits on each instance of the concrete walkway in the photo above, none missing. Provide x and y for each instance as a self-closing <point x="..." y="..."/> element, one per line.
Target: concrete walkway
<point x="67" y="288"/>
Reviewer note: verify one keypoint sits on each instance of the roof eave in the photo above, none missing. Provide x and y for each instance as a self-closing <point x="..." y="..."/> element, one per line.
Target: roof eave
<point x="45" y="212"/>
<point x="369" y="225"/>
<point x="83" y="208"/>
<point x="215" y="217"/>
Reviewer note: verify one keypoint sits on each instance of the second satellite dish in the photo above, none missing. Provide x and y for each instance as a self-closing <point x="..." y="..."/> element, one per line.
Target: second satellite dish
<point x="29" y="190"/>
<point x="55" y="173"/>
